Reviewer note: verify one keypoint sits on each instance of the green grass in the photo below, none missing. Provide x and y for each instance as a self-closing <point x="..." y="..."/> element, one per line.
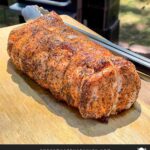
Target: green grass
<point x="135" y="21"/>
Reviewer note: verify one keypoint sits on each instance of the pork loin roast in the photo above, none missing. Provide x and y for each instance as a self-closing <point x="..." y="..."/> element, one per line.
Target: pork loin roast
<point x="75" y="69"/>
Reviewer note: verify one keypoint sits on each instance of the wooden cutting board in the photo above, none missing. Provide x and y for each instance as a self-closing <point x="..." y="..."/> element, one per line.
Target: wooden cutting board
<point x="29" y="114"/>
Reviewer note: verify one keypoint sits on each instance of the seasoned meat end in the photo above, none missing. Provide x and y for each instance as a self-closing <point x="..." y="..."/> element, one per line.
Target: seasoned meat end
<point x="98" y="94"/>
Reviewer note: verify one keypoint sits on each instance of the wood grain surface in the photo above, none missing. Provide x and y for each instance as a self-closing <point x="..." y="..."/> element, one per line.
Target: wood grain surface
<point x="29" y="114"/>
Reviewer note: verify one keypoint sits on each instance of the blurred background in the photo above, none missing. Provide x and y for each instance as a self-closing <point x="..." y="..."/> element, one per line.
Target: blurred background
<point x="126" y="22"/>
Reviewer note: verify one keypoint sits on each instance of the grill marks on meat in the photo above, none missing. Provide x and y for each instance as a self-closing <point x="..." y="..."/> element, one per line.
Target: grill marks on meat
<point x="76" y="70"/>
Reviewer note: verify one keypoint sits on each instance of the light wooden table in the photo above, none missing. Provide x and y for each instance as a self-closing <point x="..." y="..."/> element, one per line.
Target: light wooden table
<point x="29" y="114"/>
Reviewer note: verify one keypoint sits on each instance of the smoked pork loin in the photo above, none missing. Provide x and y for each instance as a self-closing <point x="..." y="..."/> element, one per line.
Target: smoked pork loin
<point x="75" y="69"/>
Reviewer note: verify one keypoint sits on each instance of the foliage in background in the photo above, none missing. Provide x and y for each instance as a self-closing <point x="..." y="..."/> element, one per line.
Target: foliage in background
<point x="135" y="22"/>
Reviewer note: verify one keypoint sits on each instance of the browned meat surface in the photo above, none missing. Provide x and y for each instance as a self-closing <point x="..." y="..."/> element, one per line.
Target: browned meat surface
<point x="76" y="70"/>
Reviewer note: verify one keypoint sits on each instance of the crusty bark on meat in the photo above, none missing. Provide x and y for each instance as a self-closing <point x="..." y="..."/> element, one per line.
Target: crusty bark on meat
<point x="74" y="68"/>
